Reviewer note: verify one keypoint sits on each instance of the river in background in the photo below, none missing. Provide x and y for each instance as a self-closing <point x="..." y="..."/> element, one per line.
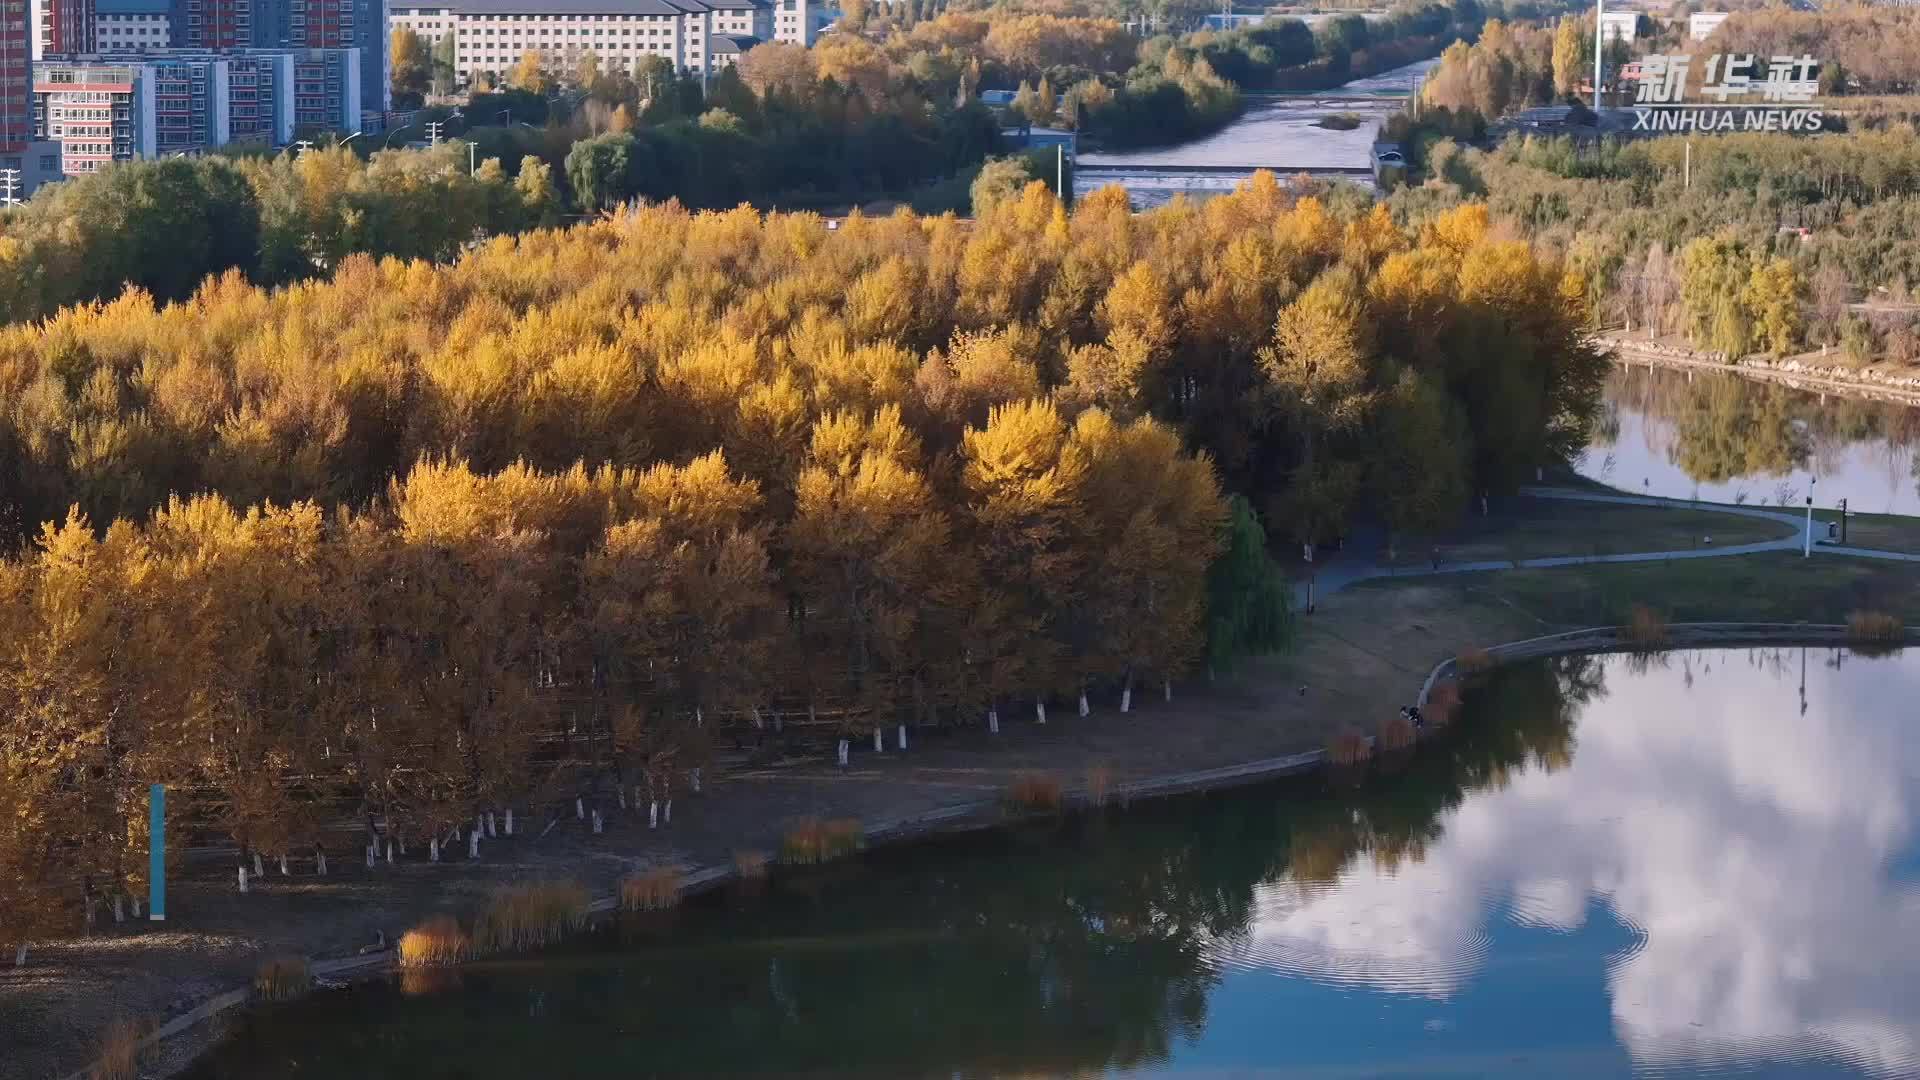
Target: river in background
<point x="1282" y="134"/>
<point x="1699" y="864"/>
<point x="1722" y="438"/>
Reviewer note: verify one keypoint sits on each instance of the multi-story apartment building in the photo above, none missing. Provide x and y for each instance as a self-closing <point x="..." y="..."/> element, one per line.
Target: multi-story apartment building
<point x="25" y="163"/>
<point x="62" y="26"/>
<point x="695" y="36"/>
<point x="797" y="21"/>
<point x="292" y="24"/>
<point x="106" y="108"/>
<point x="131" y="26"/>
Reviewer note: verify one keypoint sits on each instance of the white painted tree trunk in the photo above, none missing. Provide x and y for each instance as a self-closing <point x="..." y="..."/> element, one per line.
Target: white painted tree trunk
<point x="369" y="854"/>
<point x="284" y="872"/>
<point x="596" y="823"/>
<point x="666" y="814"/>
<point x="433" y="850"/>
<point x="135" y="901"/>
<point x="1166" y="688"/>
<point x="1126" y="698"/>
<point x="243" y="881"/>
<point x="473" y="845"/>
<point x="119" y="910"/>
<point x="493" y="826"/>
<point x="757" y="722"/>
<point x="653" y="814"/>
<point x="580" y="809"/>
<point x="389" y="853"/>
<point x="480" y="824"/>
<point x="623" y="798"/>
<point x="509" y="821"/>
<point x="1083" y="704"/>
<point x="320" y="862"/>
<point x="699" y="718"/>
<point x="879" y="747"/>
<point x="902" y="736"/>
<point x="993" y="721"/>
<point x="843" y="753"/>
<point x="258" y="870"/>
<point x="694" y="777"/>
<point x="1040" y="712"/>
<point x="20" y="955"/>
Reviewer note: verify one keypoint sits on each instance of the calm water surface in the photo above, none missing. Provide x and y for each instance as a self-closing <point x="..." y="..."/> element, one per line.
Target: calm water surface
<point x="1702" y="865"/>
<point x="1727" y="439"/>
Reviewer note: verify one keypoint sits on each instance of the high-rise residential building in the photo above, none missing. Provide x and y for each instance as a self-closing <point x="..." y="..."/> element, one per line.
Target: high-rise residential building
<point x="16" y="75"/>
<point x="131" y="25"/>
<point x="296" y="24"/>
<point x="797" y="21"/>
<point x="695" y="36"/>
<point x="62" y="26"/>
<point x="119" y="107"/>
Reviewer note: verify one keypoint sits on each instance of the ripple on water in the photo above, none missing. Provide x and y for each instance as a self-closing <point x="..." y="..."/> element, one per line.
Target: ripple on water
<point x="1869" y="1049"/>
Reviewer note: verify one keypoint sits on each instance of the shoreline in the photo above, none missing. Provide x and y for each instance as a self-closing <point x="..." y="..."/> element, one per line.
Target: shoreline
<point x="180" y="1043"/>
<point x="1864" y="383"/>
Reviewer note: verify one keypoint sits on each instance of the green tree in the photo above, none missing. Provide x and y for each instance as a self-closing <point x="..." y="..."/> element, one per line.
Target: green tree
<point x="412" y="69"/>
<point x="1248" y="597"/>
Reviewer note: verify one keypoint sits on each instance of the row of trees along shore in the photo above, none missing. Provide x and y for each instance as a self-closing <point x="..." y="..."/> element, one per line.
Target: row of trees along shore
<point x="419" y="544"/>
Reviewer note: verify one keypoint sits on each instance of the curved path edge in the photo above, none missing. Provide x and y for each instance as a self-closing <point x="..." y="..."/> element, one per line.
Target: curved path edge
<point x="982" y="814"/>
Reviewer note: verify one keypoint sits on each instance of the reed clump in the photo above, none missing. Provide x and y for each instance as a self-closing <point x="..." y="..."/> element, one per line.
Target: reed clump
<point x="812" y="840"/>
<point x="1443" y="704"/>
<point x="438" y="942"/>
<point x="1875" y="627"/>
<point x="1099" y="784"/>
<point x="1396" y="733"/>
<point x="1473" y="660"/>
<point x="282" y="978"/>
<point x="750" y="865"/>
<point x="1646" y="628"/>
<point x="531" y="916"/>
<point x="1348" y="747"/>
<point x="656" y="889"/>
<point x="119" y="1050"/>
<point x="1034" y="793"/>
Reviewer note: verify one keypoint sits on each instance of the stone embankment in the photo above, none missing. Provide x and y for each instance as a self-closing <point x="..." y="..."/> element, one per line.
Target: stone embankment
<point x="1897" y="386"/>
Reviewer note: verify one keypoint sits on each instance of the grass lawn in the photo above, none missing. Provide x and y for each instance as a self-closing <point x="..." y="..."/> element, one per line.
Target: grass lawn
<point x="1536" y="528"/>
<point x="1767" y="587"/>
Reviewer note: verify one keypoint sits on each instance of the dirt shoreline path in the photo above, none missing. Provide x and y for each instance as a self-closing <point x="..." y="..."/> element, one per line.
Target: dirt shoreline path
<point x="1364" y="654"/>
<point x="1900" y="387"/>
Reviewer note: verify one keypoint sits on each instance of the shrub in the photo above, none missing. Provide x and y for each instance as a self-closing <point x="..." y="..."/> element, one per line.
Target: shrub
<point x="1348" y="747"/>
<point x="1443" y="702"/>
<point x="1099" y="783"/>
<point x="1033" y="793"/>
<point x="1646" y="628"/>
<point x="812" y="840"/>
<point x="120" y="1050"/>
<point x="435" y="943"/>
<point x="531" y="916"/>
<point x="1396" y="733"/>
<point x="1473" y="660"/>
<point x="1875" y="627"/>
<point x="282" y="978"/>
<point x="656" y="889"/>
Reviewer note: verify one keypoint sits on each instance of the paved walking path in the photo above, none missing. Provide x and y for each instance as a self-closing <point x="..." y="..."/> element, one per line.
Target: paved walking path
<point x="1346" y="572"/>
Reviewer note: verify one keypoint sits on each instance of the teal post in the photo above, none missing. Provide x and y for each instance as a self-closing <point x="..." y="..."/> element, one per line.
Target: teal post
<point x="157" y="844"/>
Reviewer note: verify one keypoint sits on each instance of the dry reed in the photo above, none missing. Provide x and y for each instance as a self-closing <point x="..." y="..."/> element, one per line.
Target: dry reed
<point x="1646" y="628"/>
<point x="656" y="889"/>
<point x="531" y="916"/>
<point x="1034" y="793"/>
<point x="282" y="978"/>
<point x="1099" y="784"/>
<point x="1473" y="660"/>
<point x="812" y="840"/>
<point x="750" y="865"/>
<point x="1875" y="627"/>
<point x="437" y="942"/>
<point x="1443" y="703"/>
<point x="119" y="1050"/>
<point x="1348" y="747"/>
<point x="1396" y="733"/>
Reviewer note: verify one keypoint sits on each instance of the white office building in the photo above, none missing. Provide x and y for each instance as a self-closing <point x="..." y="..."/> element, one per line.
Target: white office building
<point x="695" y="36"/>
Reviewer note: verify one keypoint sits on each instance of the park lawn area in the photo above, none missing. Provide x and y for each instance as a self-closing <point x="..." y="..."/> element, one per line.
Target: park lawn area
<point x="1524" y="528"/>
<point x="1886" y="532"/>
<point x="1773" y="586"/>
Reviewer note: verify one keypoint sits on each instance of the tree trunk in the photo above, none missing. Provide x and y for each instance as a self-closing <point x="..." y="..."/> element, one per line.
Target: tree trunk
<point x="699" y="718"/>
<point x="119" y="909"/>
<point x="284" y="872"/>
<point x="1166" y="688"/>
<point x="666" y="815"/>
<point x="389" y="853"/>
<point x="493" y="826"/>
<point x="1040" y="712"/>
<point x="473" y="844"/>
<point x="579" y="808"/>
<point x="1126" y="697"/>
<point x="693" y="776"/>
<point x="597" y="827"/>
<point x="623" y="798"/>
<point x="20" y="955"/>
<point x="433" y="850"/>
<point x="879" y="747"/>
<point x="843" y="753"/>
<point x="902" y="736"/>
<point x="320" y="860"/>
<point x="509" y="821"/>
<point x="243" y="881"/>
<point x="1083" y="705"/>
<point x="993" y="721"/>
<point x="370" y="850"/>
<point x="258" y="870"/>
<point x="653" y="814"/>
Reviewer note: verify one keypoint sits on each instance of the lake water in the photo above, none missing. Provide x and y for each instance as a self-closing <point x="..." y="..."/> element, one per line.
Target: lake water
<point x="1281" y="135"/>
<point x="1698" y="865"/>
<point x="1723" y="438"/>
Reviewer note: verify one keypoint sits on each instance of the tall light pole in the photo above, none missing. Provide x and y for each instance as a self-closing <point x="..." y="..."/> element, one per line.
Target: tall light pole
<point x="1599" y="51"/>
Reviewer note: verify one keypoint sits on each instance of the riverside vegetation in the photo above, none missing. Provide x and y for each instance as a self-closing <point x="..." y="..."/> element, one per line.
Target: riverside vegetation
<point x="372" y="560"/>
